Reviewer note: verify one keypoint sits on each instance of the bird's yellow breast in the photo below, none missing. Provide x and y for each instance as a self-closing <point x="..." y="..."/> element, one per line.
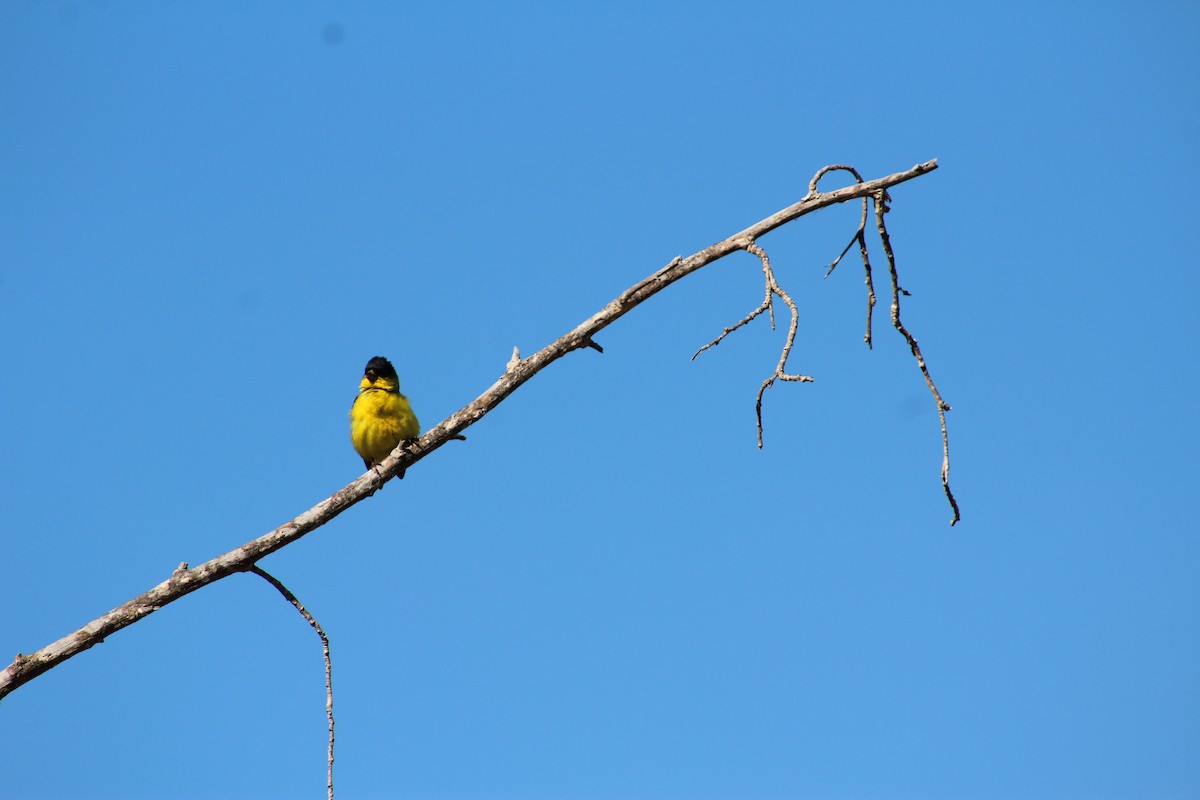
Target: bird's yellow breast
<point x="380" y="420"/>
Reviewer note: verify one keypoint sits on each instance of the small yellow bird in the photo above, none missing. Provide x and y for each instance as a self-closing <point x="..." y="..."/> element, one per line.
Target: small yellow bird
<point x="381" y="417"/>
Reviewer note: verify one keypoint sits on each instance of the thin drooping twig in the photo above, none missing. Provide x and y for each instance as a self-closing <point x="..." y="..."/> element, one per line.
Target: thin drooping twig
<point x="862" y="249"/>
<point x="881" y="200"/>
<point x="316" y="626"/>
<point x="184" y="581"/>
<point x="860" y="236"/>
<point x="773" y="290"/>
<point x="767" y="305"/>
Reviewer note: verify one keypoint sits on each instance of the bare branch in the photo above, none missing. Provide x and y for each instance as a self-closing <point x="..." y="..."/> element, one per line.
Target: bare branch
<point x="881" y="208"/>
<point x="773" y="288"/>
<point x="862" y="249"/>
<point x="766" y="305"/>
<point x="185" y="581"/>
<point x="860" y="236"/>
<point x="316" y="626"/>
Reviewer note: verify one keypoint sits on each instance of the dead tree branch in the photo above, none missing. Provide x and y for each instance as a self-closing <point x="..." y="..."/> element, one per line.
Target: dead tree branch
<point x="186" y="580"/>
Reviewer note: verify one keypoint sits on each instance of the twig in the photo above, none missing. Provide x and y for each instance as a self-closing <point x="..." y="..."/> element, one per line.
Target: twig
<point x="316" y="626"/>
<point x="773" y="288"/>
<point x="860" y="236"/>
<point x="766" y="305"/>
<point x="881" y="208"/>
<point x="27" y="667"/>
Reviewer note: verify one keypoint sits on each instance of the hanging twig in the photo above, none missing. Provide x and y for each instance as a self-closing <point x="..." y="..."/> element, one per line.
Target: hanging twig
<point x="316" y="626"/>
<point x="860" y="236"/>
<point x="780" y="373"/>
<point x="881" y="200"/>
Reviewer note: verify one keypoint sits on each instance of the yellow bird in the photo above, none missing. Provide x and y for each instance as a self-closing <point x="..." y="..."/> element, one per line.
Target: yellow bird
<point x="381" y="417"/>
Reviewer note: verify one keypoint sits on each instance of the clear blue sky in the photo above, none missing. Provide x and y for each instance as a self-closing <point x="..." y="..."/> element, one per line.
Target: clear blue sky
<point x="212" y="215"/>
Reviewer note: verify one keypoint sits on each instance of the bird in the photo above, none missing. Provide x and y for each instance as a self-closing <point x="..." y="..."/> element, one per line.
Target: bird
<point x="380" y="417"/>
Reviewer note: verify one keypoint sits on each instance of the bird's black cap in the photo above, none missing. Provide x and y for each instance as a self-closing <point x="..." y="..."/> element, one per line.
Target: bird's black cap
<point x="381" y="367"/>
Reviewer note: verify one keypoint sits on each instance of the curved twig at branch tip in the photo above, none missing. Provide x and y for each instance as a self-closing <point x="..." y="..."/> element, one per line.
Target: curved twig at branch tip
<point x="316" y="626"/>
<point x="881" y="207"/>
<point x="823" y="171"/>
<point x="25" y="668"/>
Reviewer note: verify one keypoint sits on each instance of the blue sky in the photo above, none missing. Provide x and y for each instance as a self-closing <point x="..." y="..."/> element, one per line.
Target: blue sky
<point x="212" y="215"/>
